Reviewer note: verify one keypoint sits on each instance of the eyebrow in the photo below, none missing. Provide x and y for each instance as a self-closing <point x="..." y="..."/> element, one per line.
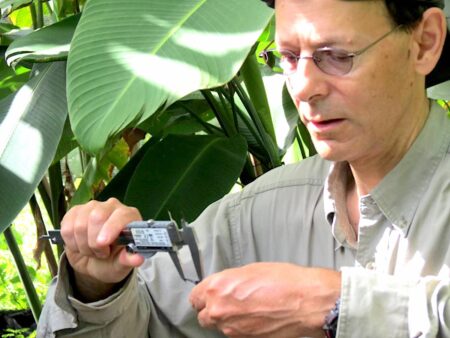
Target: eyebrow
<point x="329" y="41"/>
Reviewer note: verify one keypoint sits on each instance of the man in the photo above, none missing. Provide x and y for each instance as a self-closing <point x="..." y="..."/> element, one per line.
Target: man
<point x="365" y="226"/>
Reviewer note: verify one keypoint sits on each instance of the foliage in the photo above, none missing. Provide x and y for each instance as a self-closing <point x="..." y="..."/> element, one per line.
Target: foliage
<point x="12" y="294"/>
<point x="19" y="333"/>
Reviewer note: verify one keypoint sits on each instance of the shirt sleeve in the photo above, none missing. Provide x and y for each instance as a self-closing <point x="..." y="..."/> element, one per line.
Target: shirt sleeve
<point x="392" y="306"/>
<point x="63" y="315"/>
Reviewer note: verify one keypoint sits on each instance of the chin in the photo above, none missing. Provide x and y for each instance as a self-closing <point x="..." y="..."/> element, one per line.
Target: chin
<point x="329" y="153"/>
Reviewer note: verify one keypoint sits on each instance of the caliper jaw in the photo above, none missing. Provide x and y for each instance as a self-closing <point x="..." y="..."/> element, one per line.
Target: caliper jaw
<point x="150" y="237"/>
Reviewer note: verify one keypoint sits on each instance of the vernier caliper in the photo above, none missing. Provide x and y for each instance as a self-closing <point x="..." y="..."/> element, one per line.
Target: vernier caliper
<point x="149" y="237"/>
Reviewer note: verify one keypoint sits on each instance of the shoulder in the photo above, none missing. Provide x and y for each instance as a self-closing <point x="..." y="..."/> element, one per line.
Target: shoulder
<point x="310" y="173"/>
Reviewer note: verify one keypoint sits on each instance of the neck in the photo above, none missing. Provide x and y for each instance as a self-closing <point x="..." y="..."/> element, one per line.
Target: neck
<point x="368" y="172"/>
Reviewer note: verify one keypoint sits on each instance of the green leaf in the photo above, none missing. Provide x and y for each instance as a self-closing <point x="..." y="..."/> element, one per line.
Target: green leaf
<point x="117" y="187"/>
<point x="50" y="43"/>
<point x="184" y="174"/>
<point x="118" y="156"/>
<point x="11" y="5"/>
<point x="284" y="113"/>
<point x="31" y="122"/>
<point x="120" y="74"/>
<point x="98" y="170"/>
<point x="6" y="3"/>
<point x="11" y="80"/>
<point x="92" y="177"/>
<point x="183" y="117"/>
<point x="66" y="144"/>
<point x="6" y="27"/>
<point x="22" y="18"/>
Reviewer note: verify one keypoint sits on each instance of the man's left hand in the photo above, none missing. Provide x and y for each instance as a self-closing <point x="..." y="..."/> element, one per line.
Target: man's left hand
<point x="267" y="300"/>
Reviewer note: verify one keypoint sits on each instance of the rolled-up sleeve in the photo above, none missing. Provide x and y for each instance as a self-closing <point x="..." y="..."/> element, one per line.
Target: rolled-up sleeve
<point x="380" y="305"/>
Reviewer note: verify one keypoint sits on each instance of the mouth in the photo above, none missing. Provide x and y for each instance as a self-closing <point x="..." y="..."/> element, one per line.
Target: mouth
<point x="324" y="125"/>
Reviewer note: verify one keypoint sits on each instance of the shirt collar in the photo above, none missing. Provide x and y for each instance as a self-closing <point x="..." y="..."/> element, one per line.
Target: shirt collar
<point x="399" y="193"/>
<point x="335" y="204"/>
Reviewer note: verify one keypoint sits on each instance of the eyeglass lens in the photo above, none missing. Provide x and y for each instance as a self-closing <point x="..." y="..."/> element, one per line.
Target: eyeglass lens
<point x="333" y="62"/>
<point x="330" y="61"/>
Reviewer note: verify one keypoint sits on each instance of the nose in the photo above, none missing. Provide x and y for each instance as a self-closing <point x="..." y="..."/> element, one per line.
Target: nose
<point x="308" y="83"/>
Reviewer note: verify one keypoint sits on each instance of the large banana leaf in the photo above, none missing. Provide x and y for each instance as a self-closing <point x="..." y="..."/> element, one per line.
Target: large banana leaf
<point x="48" y="44"/>
<point x="184" y="174"/>
<point x="129" y="57"/>
<point x="31" y="122"/>
<point x="11" y="5"/>
<point x="15" y="3"/>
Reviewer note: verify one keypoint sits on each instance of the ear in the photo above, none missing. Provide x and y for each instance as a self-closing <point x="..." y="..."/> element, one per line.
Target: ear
<point x="429" y="37"/>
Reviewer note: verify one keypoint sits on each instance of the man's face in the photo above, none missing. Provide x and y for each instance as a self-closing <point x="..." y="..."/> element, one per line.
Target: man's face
<point x="363" y="114"/>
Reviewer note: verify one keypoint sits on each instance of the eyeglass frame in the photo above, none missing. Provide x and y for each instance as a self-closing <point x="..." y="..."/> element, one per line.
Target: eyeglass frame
<point x="348" y="55"/>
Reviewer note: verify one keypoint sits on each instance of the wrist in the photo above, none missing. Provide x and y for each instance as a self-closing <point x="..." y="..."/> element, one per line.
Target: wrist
<point x="88" y="289"/>
<point x="331" y="321"/>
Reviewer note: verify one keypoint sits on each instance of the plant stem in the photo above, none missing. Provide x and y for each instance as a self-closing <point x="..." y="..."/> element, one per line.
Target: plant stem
<point x="57" y="197"/>
<point x="221" y="115"/>
<point x="44" y="191"/>
<point x="30" y="290"/>
<point x="210" y="129"/>
<point x="255" y="87"/>
<point x="42" y="245"/>
<point x="33" y="15"/>
<point x="39" y="14"/>
<point x="268" y="143"/>
<point x="76" y="7"/>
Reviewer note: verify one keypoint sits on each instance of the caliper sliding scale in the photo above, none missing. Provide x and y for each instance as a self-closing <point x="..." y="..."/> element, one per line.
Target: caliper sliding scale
<point x="149" y="237"/>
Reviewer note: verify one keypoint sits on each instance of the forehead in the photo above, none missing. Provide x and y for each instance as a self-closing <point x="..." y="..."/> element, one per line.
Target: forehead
<point x="329" y="19"/>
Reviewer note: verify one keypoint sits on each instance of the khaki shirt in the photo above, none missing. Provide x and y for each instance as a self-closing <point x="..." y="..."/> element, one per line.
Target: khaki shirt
<point x="395" y="275"/>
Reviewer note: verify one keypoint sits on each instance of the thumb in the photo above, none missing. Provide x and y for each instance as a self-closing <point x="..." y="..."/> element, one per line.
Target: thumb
<point x="130" y="259"/>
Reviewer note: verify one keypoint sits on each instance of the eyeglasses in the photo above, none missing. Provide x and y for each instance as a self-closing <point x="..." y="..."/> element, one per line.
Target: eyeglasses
<point x="331" y="61"/>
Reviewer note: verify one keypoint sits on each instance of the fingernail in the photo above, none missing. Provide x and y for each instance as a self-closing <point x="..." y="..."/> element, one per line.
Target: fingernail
<point x="101" y="238"/>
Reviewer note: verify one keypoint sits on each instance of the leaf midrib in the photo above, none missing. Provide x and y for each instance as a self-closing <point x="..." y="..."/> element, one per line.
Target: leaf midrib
<point x="157" y="48"/>
<point x="182" y="178"/>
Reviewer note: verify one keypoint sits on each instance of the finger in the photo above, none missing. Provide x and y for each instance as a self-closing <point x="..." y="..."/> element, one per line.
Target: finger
<point x="67" y="229"/>
<point x="89" y="220"/>
<point x="127" y="259"/>
<point x="205" y="320"/>
<point x="97" y="218"/>
<point x="197" y="298"/>
<point x="119" y="218"/>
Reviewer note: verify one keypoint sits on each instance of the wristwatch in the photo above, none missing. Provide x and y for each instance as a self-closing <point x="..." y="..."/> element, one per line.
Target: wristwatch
<point x="331" y="321"/>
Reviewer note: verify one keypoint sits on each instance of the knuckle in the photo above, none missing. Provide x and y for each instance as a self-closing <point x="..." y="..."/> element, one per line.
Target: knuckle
<point x="98" y="215"/>
<point x="66" y="231"/>
<point x="79" y="227"/>
<point x="113" y="201"/>
<point x="92" y="204"/>
<point x="216" y="312"/>
<point x="134" y="211"/>
<point x="125" y="212"/>
<point x="230" y="332"/>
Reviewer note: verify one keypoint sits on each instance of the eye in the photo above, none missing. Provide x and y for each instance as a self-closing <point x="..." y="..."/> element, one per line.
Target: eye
<point x="288" y="56"/>
<point x="288" y="61"/>
<point x="332" y="55"/>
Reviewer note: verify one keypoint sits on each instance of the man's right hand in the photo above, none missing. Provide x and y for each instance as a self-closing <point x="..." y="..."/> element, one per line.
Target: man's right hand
<point x="89" y="232"/>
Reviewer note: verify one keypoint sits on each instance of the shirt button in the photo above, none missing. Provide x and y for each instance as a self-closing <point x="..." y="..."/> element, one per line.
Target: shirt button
<point x="370" y="266"/>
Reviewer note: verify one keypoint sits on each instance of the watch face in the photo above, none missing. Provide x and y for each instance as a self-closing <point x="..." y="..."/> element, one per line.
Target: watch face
<point x="331" y="321"/>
